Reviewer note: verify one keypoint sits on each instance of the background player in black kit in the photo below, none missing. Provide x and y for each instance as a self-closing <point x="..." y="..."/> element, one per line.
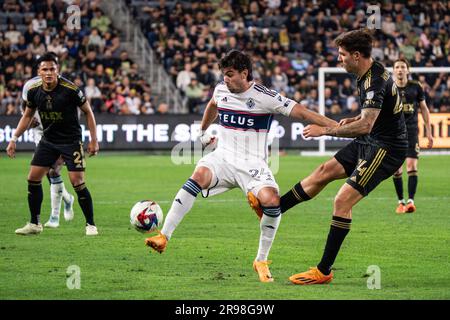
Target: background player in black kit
<point x="57" y="100"/>
<point x="377" y="152"/>
<point x="413" y="98"/>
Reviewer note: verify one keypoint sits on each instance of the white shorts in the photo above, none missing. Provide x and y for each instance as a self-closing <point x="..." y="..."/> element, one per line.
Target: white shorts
<point x="246" y="175"/>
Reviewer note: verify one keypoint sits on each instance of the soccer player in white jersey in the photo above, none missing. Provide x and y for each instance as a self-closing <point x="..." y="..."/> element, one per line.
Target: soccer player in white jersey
<point x="58" y="191"/>
<point x="245" y="111"/>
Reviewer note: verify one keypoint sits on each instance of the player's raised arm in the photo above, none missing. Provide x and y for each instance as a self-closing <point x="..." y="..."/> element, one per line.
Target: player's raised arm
<point x="426" y="118"/>
<point x="301" y="112"/>
<point x="23" y="125"/>
<point x="208" y="117"/>
<point x="90" y="119"/>
<point x="354" y="129"/>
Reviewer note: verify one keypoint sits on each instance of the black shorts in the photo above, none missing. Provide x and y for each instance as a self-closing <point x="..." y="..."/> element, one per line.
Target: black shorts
<point x="367" y="165"/>
<point x="47" y="153"/>
<point x="413" y="145"/>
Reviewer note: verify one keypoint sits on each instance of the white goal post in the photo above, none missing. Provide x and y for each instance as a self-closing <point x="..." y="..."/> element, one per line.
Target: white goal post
<point x="321" y="94"/>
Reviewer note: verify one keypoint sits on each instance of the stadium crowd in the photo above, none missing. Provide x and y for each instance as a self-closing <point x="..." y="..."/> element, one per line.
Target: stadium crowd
<point x="92" y="57"/>
<point x="288" y="41"/>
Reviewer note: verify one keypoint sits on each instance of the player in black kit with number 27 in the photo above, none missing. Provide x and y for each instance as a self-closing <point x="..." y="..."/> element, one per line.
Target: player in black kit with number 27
<point x="57" y="100"/>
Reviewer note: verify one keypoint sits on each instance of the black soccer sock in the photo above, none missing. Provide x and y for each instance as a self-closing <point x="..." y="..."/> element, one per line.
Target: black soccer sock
<point x="85" y="202"/>
<point x="293" y="197"/>
<point x="35" y="196"/>
<point x="339" y="229"/>
<point x="412" y="183"/>
<point x="398" y="183"/>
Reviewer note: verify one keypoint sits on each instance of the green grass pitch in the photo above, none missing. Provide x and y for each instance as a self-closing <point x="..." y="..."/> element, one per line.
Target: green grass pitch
<point x="210" y="255"/>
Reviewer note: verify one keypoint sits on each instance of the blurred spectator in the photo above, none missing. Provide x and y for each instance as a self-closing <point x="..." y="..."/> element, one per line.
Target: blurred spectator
<point x="100" y="21"/>
<point x="147" y="104"/>
<point x="163" y="108"/>
<point x="133" y="103"/>
<point x="37" y="48"/>
<point x="195" y="95"/>
<point x="39" y="23"/>
<point x="184" y="77"/>
<point x="93" y="95"/>
<point x="12" y="34"/>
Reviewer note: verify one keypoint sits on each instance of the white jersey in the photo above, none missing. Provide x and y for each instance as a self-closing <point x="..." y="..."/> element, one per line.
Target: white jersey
<point x="37" y="131"/>
<point x="245" y="120"/>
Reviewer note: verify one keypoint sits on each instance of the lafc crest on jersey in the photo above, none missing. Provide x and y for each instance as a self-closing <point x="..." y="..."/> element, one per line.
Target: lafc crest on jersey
<point x="48" y="104"/>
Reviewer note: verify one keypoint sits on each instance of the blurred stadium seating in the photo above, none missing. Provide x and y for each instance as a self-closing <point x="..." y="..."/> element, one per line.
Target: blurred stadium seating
<point x="288" y="41"/>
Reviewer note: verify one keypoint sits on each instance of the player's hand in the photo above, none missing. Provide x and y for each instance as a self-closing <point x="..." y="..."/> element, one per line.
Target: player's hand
<point x="206" y="139"/>
<point x="34" y="123"/>
<point x="313" y="130"/>
<point x="430" y="142"/>
<point x="93" y="148"/>
<point x="11" y="149"/>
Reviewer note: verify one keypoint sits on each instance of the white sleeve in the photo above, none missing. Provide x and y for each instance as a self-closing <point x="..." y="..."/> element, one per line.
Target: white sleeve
<point x="280" y="104"/>
<point x="25" y="88"/>
<point x="216" y="93"/>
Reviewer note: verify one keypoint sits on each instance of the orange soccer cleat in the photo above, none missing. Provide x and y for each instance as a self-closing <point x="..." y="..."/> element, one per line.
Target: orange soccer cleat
<point x="410" y="207"/>
<point x="254" y="204"/>
<point x="262" y="268"/>
<point x="400" y="208"/>
<point x="312" y="276"/>
<point x="157" y="243"/>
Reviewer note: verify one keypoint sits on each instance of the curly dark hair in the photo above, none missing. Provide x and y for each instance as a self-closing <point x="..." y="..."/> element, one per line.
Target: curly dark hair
<point x="237" y="60"/>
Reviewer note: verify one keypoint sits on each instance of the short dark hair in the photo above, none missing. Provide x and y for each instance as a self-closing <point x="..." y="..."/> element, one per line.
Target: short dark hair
<point x="356" y="40"/>
<point x="237" y="60"/>
<point x="405" y="61"/>
<point x="48" y="56"/>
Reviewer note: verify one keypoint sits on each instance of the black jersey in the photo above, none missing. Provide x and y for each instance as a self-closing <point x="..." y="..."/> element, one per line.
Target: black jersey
<point x="58" y="110"/>
<point x="377" y="89"/>
<point x="412" y="94"/>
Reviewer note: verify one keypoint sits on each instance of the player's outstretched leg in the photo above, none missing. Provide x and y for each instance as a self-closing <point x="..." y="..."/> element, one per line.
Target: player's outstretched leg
<point x="309" y="187"/>
<point x="181" y="205"/>
<point x="346" y="198"/>
<point x="270" y="205"/>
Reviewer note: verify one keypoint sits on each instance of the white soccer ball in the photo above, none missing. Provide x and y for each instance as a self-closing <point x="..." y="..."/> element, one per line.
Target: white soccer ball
<point x="146" y="216"/>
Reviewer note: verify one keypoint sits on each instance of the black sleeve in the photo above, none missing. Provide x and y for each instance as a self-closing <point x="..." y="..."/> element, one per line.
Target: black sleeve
<point x="420" y="92"/>
<point x="30" y="100"/>
<point x="80" y="97"/>
<point x="374" y="93"/>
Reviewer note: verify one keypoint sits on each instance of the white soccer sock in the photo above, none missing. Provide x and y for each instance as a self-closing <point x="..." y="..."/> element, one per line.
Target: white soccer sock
<point x="269" y="226"/>
<point x="56" y="197"/>
<point x="184" y="200"/>
<point x="65" y="195"/>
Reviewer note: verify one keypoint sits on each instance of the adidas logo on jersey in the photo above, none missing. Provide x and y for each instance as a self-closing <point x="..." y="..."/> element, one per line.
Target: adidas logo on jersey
<point x="224" y="99"/>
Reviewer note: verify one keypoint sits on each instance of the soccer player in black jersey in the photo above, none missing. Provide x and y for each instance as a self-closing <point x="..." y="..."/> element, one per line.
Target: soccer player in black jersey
<point x="378" y="150"/>
<point x="413" y="99"/>
<point x="57" y="100"/>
